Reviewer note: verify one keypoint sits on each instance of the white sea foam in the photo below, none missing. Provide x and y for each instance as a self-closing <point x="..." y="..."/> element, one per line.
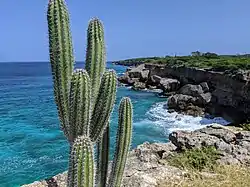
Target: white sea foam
<point x="159" y="116"/>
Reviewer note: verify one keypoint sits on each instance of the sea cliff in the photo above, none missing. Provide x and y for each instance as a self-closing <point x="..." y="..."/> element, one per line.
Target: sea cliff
<point x="196" y="90"/>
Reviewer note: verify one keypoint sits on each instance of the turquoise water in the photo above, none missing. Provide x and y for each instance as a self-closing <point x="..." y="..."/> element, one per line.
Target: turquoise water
<point x="32" y="146"/>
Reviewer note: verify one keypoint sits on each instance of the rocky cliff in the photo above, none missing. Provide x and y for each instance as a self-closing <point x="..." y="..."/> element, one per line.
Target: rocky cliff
<point x="230" y="90"/>
<point x="147" y="165"/>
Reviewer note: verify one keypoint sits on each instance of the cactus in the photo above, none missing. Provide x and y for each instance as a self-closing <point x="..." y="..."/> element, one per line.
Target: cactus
<point x="95" y="55"/>
<point x="80" y="95"/>
<point x="104" y="104"/>
<point x="85" y="100"/>
<point x="61" y="58"/>
<point x="123" y="140"/>
<point x="81" y="163"/>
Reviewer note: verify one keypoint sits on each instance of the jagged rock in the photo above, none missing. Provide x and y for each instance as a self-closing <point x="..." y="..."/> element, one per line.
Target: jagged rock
<point x="139" y="72"/>
<point x="205" y="87"/>
<point x="186" y="104"/>
<point x="204" y="98"/>
<point x="144" y="75"/>
<point x="155" y="80"/>
<point x="191" y="90"/>
<point x="139" y="86"/>
<point x="169" y="85"/>
<point x="232" y="146"/>
<point x="191" y="100"/>
<point x="193" y="110"/>
<point x="125" y="79"/>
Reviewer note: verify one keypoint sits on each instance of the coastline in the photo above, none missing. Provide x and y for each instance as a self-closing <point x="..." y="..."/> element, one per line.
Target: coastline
<point x="225" y="93"/>
<point x="148" y="165"/>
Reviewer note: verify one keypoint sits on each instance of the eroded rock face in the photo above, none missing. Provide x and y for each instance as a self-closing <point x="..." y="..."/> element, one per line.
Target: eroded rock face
<point x="192" y="90"/>
<point x="229" y="89"/>
<point x="227" y="93"/>
<point x="232" y="146"/>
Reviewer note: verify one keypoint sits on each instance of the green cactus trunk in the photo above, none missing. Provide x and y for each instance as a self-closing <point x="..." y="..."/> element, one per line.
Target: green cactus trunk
<point x="95" y="55"/>
<point x="123" y="142"/>
<point x="85" y="100"/>
<point x="104" y="105"/>
<point x="80" y="95"/>
<point x="61" y="58"/>
<point x="103" y="159"/>
<point x="81" y="167"/>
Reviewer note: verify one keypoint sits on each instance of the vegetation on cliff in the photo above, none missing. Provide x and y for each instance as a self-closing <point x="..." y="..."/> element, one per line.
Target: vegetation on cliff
<point x="196" y="59"/>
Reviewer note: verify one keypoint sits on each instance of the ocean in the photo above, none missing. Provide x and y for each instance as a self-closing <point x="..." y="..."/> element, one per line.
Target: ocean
<point x="32" y="146"/>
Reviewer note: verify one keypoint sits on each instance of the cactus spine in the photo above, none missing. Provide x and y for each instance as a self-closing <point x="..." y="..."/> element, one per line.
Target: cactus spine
<point x="85" y="100"/>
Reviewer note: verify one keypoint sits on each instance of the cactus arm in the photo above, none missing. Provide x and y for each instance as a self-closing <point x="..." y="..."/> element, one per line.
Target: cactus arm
<point x="80" y="94"/>
<point x="123" y="142"/>
<point x="104" y="105"/>
<point x="95" y="55"/>
<point x="103" y="158"/>
<point x="61" y="57"/>
<point x="81" y="170"/>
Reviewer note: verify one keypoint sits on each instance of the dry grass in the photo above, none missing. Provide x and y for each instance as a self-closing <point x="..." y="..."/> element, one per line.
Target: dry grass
<point x="223" y="176"/>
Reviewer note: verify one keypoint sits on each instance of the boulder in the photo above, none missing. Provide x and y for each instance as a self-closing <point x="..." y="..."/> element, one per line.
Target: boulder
<point x="144" y="75"/>
<point x="155" y="80"/>
<point x="169" y="85"/>
<point x="205" y="87"/>
<point x="187" y="104"/>
<point x="204" y="99"/>
<point x="139" y="72"/>
<point x="125" y="79"/>
<point x="191" y="90"/>
<point x="139" y="86"/>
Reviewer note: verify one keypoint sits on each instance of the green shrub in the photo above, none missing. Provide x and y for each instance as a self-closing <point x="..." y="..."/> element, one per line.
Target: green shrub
<point x="245" y="126"/>
<point x="195" y="159"/>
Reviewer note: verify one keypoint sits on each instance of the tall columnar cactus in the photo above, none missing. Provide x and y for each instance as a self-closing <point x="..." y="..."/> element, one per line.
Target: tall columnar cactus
<point x="85" y="100"/>
<point x="95" y="55"/>
<point x="61" y="58"/>
<point x="123" y="140"/>
<point x="79" y="99"/>
<point x="81" y="167"/>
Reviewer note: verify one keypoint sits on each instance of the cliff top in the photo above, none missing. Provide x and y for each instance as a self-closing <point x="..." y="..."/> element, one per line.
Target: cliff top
<point x="197" y="59"/>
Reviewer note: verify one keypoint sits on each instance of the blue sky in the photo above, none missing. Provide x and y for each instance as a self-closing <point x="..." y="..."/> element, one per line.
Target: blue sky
<point x="133" y="28"/>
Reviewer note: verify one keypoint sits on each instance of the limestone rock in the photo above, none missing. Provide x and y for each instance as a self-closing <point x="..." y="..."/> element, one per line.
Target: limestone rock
<point x="169" y="85"/>
<point x="139" y="86"/>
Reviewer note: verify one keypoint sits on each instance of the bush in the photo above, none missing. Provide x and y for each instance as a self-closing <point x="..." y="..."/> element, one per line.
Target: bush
<point x="245" y="126"/>
<point x="205" y="60"/>
<point x="196" y="159"/>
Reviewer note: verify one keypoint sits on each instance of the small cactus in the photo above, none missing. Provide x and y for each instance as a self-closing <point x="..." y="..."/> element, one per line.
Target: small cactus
<point x="85" y="100"/>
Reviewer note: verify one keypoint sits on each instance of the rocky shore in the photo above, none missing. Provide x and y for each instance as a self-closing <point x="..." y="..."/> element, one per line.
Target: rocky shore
<point x="147" y="165"/>
<point x="196" y="91"/>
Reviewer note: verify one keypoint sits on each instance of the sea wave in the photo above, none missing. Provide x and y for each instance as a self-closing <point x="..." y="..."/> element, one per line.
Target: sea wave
<point x="160" y="117"/>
